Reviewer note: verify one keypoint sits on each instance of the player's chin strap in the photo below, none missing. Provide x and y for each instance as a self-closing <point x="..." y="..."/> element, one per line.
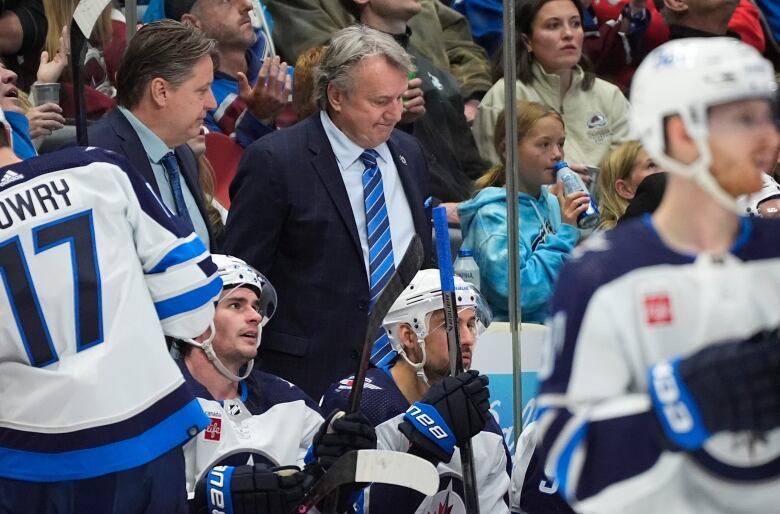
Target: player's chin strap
<point x="417" y="366"/>
<point x="699" y="170"/>
<point x="211" y="355"/>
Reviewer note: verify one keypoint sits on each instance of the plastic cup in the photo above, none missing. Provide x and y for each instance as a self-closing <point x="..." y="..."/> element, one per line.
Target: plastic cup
<point x="46" y="93"/>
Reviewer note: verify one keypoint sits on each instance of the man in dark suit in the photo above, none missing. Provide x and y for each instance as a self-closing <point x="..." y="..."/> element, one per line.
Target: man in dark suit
<point x="326" y="208"/>
<point x="163" y="92"/>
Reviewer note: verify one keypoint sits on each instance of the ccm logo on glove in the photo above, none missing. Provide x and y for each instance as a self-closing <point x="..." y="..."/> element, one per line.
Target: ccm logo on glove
<point x="426" y="421"/>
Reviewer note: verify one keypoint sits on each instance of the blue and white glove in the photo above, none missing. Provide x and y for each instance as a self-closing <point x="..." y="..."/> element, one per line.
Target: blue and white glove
<point x="731" y="386"/>
<point x="251" y="489"/>
<point x="451" y="412"/>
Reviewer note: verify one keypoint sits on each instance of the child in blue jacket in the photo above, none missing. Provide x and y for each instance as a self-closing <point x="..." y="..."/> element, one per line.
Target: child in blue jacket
<point x="548" y="219"/>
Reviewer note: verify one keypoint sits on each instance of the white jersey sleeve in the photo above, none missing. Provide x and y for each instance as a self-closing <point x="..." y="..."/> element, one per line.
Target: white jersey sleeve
<point x="94" y="271"/>
<point x="623" y="305"/>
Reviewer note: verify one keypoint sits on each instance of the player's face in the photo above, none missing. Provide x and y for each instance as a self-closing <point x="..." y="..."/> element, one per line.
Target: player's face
<point x="537" y="152"/>
<point x="368" y="113"/>
<point x="743" y="139"/>
<point x="556" y="36"/>
<point x="437" y="365"/>
<point x="644" y="165"/>
<point x="228" y="22"/>
<point x="188" y="104"/>
<point x="237" y="325"/>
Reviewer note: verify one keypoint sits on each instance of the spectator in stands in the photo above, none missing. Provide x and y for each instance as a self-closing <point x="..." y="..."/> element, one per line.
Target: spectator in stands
<point x="453" y="158"/>
<point x="163" y="92"/>
<point x="622" y="170"/>
<point x="22" y="34"/>
<point x="303" y="87"/>
<point x="438" y="32"/>
<point x="548" y="231"/>
<point x="207" y="178"/>
<point x="10" y="103"/>
<point x="251" y="87"/>
<point x="550" y="71"/>
<point x="300" y="211"/>
<point x="697" y="18"/>
<point x="105" y="47"/>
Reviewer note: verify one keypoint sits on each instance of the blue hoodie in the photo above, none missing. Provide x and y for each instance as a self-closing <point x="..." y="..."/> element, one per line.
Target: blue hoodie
<point x="545" y="243"/>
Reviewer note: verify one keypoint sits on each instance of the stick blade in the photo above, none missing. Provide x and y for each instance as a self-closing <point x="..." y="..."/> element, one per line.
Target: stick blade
<point x="396" y="468"/>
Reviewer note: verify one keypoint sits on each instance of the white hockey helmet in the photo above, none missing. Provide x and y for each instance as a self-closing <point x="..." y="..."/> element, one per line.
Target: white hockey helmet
<point x="687" y="77"/>
<point x="421" y="298"/>
<point x="236" y="273"/>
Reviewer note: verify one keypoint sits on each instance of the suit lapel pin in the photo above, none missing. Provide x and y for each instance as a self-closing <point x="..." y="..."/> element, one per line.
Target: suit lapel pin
<point x="402" y="159"/>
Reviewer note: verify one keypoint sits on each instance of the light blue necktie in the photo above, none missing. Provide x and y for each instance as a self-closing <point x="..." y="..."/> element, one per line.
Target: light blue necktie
<point x="171" y="166"/>
<point x="380" y="246"/>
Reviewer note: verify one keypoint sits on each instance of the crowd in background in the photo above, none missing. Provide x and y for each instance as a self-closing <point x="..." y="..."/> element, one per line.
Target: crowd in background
<point x="259" y="65"/>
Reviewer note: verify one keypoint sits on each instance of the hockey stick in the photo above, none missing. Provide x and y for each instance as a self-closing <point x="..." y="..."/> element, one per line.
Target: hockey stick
<point x="367" y="466"/>
<point x="452" y="325"/>
<point x="404" y="273"/>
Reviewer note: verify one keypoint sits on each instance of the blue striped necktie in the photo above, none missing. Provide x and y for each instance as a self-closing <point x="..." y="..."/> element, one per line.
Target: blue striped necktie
<point x="173" y="172"/>
<point x="380" y="245"/>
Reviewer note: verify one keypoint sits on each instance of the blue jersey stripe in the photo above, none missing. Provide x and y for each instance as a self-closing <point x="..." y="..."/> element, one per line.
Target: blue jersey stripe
<point x="182" y="253"/>
<point x="129" y="453"/>
<point x="188" y="301"/>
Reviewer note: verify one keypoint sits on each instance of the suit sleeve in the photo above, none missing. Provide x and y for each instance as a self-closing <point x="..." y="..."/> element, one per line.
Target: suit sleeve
<point x="587" y="419"/>
<point x="258" y="209"/>
<point x="180" y="276"/>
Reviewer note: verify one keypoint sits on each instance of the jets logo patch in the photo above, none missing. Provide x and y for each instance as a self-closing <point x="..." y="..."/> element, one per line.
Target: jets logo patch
<point x="658" y="309"/>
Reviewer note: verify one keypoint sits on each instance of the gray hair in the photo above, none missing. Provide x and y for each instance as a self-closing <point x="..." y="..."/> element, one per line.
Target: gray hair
<point x="346" y="50"/>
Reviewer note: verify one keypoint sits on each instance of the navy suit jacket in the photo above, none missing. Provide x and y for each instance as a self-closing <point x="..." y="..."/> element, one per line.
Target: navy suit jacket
<point x="114" y="132"/>
<point x="290" y="217"/>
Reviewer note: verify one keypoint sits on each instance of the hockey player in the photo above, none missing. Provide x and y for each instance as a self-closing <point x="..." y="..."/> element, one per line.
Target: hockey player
<point x="418" y="379"/>
<point x="662" y="388"/>
<point x="255" y="417"/>
<point x="94" y="272"/>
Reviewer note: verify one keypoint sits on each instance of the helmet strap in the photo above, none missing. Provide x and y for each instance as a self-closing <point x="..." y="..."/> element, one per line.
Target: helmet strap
<point x="208" y="349"/>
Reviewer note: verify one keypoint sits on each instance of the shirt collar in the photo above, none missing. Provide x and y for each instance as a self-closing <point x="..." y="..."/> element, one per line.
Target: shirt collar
<point x="346" y="151"/>
<point x="155" y="148"/>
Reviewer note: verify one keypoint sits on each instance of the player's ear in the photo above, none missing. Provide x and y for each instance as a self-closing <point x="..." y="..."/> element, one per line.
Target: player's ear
<point x="408" y="338"/>
<point x="679" y="144"/>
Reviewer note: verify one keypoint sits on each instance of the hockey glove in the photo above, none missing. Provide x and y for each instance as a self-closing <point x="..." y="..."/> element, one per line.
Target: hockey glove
<point x="451" y="412"/>
<point x="342" y="433"/>
<point x="251" y="489"/>
<point x="730" y="386"/>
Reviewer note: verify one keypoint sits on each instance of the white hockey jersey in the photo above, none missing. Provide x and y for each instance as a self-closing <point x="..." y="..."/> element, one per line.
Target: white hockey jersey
<point x="94" y="272"/>
<point x="624" y="303"/>
<point x="384" y="405"/>
<point x="272" y="421"/>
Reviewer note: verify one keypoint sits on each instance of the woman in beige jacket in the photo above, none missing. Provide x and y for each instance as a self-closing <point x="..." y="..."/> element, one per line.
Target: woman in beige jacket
<point x="550" y="71"/>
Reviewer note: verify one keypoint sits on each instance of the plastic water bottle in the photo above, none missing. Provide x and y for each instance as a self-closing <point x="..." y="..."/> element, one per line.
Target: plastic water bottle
<point x="466" y="267"/>
<point x="572" y="183"/>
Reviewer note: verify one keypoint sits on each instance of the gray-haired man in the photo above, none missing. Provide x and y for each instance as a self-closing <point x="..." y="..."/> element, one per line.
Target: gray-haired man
<point x="327" y="207"/>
